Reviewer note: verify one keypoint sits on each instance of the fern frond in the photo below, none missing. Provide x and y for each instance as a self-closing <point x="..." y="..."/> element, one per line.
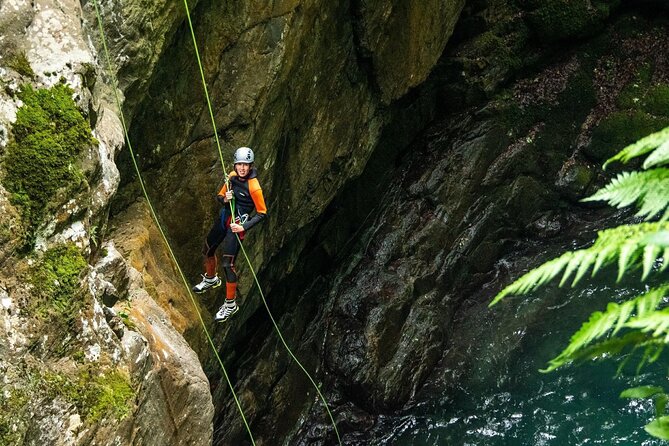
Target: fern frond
<point x="604" y="349"/>
<point x="649" y="188"/>
<point x="655" y="322"/>
<point x="659" y="156"/>
<point x="641" y="147"/>
<point x="610" y="321"/>
<point x="659" y="428"/>
<point x="626" y="244"/>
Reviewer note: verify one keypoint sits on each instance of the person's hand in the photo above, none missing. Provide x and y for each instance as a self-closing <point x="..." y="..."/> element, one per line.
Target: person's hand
<point x="228" y="196"/>
<point x="234" y="227"/>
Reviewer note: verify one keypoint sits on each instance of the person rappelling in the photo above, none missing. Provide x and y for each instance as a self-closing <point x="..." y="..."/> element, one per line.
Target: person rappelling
<point x="244" y="198"/>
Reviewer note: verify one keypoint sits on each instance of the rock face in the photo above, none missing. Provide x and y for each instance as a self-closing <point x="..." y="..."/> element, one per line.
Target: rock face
<point x="87" y="356"/>
<point x="404" y="150"/>
<point x="418" y="239"/>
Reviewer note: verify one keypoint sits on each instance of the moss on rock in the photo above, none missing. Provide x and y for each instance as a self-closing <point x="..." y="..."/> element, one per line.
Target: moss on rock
<point x="631" y="95"/>
<point x="620" y="129"/>
<point x="19" y="63"/>
<point x="554" y="20"/>
<point x="13" y="405"/>
<point x="657" y="100"/>
<point x="49" y="133"/>
<point x="95" y="395"/>
<point x="57" y="296"/>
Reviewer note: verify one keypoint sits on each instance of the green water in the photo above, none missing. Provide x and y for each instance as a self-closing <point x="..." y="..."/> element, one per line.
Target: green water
<point x="499" y="397"/>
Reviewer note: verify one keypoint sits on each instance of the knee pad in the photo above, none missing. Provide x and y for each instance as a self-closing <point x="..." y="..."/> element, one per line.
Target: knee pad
<point x="228" y="263"/>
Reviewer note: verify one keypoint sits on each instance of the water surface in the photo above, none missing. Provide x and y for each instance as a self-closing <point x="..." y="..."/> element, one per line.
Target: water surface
<point x="500" y="397"/>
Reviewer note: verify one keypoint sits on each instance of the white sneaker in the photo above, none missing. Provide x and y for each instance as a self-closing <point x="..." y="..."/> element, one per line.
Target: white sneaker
<point x="207" y="282"/>
<point x="226" y="310"/>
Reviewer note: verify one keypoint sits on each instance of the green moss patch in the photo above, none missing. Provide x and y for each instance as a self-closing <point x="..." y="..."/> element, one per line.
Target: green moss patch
<point x="620" y="129"/>
<point x="57" y="296"/>
<point x="555" y="20"/>
<point x="95" y="396"/>
<point x="656" y="100"/>
<point x="19" y="63"/>
<point x="630" y="97"/>
<point x="13" y="407"/>
<point x="49" y="134"/>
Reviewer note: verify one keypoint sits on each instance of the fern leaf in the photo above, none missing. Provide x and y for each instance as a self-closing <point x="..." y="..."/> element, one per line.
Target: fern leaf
<point x="650" y="189"/>
<point x="659" y="155"/>
<point x="604" y="256"/>
<point x="656" y="322"/>
<point x="640" y="147"/>
<point x="650" y="254"/>
<point x="536" y="277"/>
<point x="625" y="243"/>
<point x="625" y="312"/>
<point x="571" y="266"/>
<point x="626" y="257"/>
<point x="659" y="428"/>
<point x="641" y="392"/>
<point x="606" y="348"/>
<point x="611" y="321"/>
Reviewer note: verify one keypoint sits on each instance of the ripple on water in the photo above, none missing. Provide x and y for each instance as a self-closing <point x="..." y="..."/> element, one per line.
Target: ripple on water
<point x="507" y="402"/>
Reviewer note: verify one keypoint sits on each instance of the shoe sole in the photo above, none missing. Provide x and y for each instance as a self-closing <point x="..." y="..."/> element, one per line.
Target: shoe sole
<point x="228" y="317"/>
<point x="208" y="288"/>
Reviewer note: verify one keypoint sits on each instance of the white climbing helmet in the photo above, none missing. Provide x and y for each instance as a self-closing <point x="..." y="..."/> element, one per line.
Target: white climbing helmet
<point x="244" y="155"/>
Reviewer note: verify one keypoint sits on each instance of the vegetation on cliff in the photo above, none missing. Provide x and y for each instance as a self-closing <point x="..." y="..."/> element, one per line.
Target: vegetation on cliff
<point x="641" y="323"/>
<point x="49" y="134"/>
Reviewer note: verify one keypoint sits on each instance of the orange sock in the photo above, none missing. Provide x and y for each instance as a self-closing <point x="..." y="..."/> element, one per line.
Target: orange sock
<point x="230" y="290"/>
<point x="210" y="266"/>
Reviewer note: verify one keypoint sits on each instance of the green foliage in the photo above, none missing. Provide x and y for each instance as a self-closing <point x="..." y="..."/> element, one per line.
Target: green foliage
<point x="642" y="322"/>
<point x="95" y="396"/>
<point x="608" y="322"/>
<point x="56" y="281"/>
<point x="641" y="392"/>
<point x="49" y="134"/>
<point x="650" y="189"/>
<point x="641" y="147"/>
<point x="659" y="428"/>
<point x="19" y="62"/>
<point x="628" y="245"/>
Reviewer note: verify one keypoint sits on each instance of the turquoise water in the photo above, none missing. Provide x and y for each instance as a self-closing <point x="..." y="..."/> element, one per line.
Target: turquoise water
<point x="500" y="398"/>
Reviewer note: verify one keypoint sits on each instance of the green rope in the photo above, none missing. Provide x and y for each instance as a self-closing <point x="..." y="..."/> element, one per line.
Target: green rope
<point x="255" y="277"/>
<point x="206" y="92"/>
<point x="290" y="352"/>
<point x="155" y="218"/>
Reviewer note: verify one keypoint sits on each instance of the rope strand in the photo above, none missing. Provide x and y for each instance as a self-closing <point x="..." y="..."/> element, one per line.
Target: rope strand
<point x="255" y="277"/>
<point x="155" y="218"/>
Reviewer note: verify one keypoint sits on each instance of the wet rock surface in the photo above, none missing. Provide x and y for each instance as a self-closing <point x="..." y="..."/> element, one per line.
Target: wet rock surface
<point x="403" y="165"/>
<point x="417" y="243"/>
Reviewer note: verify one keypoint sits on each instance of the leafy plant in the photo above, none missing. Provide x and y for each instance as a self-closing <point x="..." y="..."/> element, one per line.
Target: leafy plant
<point x="642" y="322"/>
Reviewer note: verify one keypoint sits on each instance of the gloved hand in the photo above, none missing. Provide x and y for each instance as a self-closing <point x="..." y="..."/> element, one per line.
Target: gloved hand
<point x="223" y="199"/>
